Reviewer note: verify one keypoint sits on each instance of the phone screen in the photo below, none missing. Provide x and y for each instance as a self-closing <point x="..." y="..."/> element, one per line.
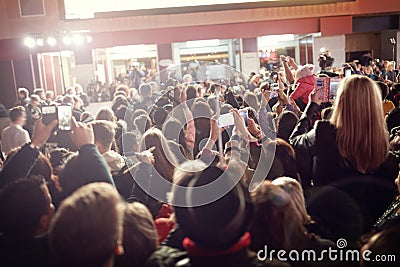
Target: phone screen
<point x="226" y="120"/>
<point x="333" y="86"/>
<point x="322" y="86"/>
<point x="274" y="90"/>
<point x="347" y="73"/>
<point x="64" y="117"/>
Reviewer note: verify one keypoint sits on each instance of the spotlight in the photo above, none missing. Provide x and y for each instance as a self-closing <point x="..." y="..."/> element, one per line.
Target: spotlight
<point x="51" y="41"/>
<point x="40" y="42"/>
<point x="322" y="50"/>
<point x="67" y="40"/>
<point x="30" y="42"/>
<point x="89" y="39"/>
<point x="77" y="39"/>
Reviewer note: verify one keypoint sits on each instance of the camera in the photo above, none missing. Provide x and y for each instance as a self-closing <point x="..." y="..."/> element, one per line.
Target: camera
<point x="62" y="113"/>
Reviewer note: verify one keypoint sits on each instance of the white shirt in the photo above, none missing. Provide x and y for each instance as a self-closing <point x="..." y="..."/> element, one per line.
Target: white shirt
<point x="12" y="137"/>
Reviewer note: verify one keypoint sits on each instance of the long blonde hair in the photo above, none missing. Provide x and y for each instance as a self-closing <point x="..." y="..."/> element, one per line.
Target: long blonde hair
<point x="361" y="137"/>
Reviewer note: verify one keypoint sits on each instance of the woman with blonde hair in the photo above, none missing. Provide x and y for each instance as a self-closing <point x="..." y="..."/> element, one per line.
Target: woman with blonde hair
<point x="350" y="151"/>
<point x="355" y="140"/>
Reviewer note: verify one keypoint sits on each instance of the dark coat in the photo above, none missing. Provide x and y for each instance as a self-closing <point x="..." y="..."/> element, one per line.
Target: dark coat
<point x="320" y="163"/>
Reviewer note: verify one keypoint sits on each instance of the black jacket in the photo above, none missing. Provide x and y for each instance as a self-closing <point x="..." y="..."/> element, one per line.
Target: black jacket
<point x="320" y="163"/>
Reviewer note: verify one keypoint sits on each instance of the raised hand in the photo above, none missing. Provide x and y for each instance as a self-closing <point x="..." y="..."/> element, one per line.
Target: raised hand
<point x="81" y="133"/>
<point x="42" y="132"/>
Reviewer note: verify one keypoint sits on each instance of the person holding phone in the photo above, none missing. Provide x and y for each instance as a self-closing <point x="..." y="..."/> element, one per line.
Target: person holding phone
<point x="304" y="84"/>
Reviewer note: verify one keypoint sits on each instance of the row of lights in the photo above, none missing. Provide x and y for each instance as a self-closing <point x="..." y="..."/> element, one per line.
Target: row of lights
<point x="76" y="39"/>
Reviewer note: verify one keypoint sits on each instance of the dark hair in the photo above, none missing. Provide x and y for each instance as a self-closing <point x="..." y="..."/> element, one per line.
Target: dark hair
<point x="284" y="163"/>
<point x="159" y="116"/>
<point x="142" y="123"/>
<point x="119" y="101"/>
<point x="129" y="140"/>
<point x="145" y="89"/>
<point x="104" y="132"/>
<point x="24" y="92"/>
<point x="191" y="92"/>
<point x="173" y="130"/>
<point x="121" y="111"/>
<point x="393" y="119"/>
<point x="16" y="112"/>
<point x="326" y="113"/>
<point x="286" y="123"/>
<point x="22" y="203"/>
<point x="384" y="89"/>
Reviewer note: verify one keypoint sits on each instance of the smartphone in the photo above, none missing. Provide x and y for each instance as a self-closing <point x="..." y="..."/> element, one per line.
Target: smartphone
<point x="227" y="119"/>
<point x="333" y="86"/>
<point x="322" y="88"/>
<point x="49" y="113"/>
<point x="274" y="90"/>
<point x="347" y="72"/>
<point x="64" y="114"/>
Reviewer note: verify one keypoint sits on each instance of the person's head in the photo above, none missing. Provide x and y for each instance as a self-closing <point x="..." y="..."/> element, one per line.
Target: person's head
<point x="384" y="89"/>
<point x="124" y="88"/>
<point x="18" y="115"/>
<point x="68" y="100"/>
<point x="140" y="236"/>
<point x="78" y="88"/>
<point x="70" y="91"/>
<point x="250" y="100"/>
<point x="159" y="116"/>
<point x="276" y="220"/>
<point x="187" y="78"/>
<point x="50" y="95"/>
<point x="219" y="224"/>
<point x="86" y="117"/>
<point x="129" y="142"/>
<point x="25" y="208"/>
<point x="142" y="123"/>
<point x="165" y="160"/>
<point x="326" y="113"/>
<point x="287" y="120"/>
<point x="35" y="100"/>
<point x="104" y="133"/>
<point x="361" y="135"/>
<point x="40" y="93"/>
<point x="23" y="93"/>
<point x="58" y="158"/>
<point x="255" y="79"/>
<point x="145" y="90"/>
<point x="77" y="102"/>
<point x="191" y="92"/>
<point x="106" y="114"/>
<point x="284" y="159"/>
<point x="304" y="71"/>
<point x="295" y="191"/>
<point x="173" y="130"/>
<point x="87" y="228"/>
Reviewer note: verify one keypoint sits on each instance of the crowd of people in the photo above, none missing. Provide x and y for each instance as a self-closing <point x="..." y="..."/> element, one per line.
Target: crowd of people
<point x="157" y="180"/>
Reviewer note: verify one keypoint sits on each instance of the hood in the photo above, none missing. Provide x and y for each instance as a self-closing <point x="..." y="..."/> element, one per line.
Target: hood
<point x="114" y="160"/>
<point x="308" y="79"/>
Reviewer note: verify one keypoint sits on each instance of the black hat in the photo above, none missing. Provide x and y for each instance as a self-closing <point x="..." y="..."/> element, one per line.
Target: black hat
<point x="217" y="225"/>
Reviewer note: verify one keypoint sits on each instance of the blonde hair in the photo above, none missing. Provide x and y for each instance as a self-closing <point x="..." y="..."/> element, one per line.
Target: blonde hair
<point x="294" y="189"/>
<point x="361" y="138"/>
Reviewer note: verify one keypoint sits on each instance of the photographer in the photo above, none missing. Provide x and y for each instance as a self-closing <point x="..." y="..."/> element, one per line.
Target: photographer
<point x="325" y="60"/>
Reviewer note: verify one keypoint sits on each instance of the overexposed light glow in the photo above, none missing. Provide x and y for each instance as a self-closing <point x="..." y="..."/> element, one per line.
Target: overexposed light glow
<point x="202" y="43"/>
<point x="78" y="39"/>
<point x="278" y="38"/>
<point x="40" y="42"/>
<point x="51" y="41"/>
<point x="67" y="40"/>
<point x="89" y="39"/>
<point x="30" y="42"/>
<point x="322" y="50"/>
